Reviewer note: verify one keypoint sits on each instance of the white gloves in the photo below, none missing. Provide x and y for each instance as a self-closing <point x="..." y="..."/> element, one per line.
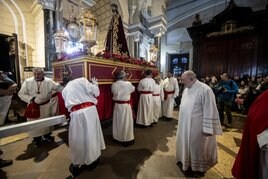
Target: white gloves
<point x="94" y="81"/>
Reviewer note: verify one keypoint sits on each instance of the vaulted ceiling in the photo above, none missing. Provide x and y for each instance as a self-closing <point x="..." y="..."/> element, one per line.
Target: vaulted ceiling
<point x="180" y="13"/>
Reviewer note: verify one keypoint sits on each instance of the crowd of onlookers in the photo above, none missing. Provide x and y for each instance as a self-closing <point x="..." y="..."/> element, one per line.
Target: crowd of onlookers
<point x="249" y="88"/>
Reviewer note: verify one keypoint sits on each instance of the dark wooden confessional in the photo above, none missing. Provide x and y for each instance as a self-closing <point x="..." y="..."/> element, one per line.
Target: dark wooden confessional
<point x="234" y="41"/>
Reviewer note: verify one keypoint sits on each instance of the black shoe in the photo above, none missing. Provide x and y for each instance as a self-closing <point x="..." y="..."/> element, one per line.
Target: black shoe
<point x="128" y="143"/>
<point x="186" y="173"/>
<point x="75" y="170"/>
<point x="197" y="174"/>
<point x="93" y="165"/>
<point x="49" y="138"/>
<point x="37" y="142"/>
<point x="4" y="163"/>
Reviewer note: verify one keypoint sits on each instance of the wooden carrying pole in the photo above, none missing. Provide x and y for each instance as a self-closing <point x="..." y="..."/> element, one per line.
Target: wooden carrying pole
<point x="30" y="125"/>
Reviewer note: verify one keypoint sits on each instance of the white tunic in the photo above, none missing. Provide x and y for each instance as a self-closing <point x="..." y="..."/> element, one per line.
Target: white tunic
<point x="122" y="114"/>
<point x="170" y="84"/>
<point x="5" y="102"/>
<point x="85" y="134"/>
<point x="29" y="89"/>
<point x="198" y="115"/>
<point x="158" y="97"/>
<point x="145" y="106"/>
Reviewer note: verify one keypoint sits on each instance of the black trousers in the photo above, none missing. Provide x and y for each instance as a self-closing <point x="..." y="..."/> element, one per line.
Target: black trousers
<point x="225" y="106"/>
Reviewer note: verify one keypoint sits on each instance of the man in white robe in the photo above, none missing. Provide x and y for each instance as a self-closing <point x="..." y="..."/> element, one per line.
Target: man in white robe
<point x="196" y="147"/>
<point x="85" y="134"/>
<point x="39" y="89"/>
<point x="122" y="114"/>
<point x="171" y="91"/>
<point x="158" y="96"/>
<point x="145" y="106"/>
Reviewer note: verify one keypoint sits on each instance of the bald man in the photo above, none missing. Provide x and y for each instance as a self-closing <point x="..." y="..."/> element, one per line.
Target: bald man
<point x="196" y="147"/>
<point x="38" y="89"/>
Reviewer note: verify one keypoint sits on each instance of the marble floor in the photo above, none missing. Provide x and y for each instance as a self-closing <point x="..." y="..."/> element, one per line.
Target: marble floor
<point x="151" y="157"/>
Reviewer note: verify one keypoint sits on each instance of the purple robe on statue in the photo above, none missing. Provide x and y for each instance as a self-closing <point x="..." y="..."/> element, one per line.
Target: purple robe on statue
<point x="116" y="41"/>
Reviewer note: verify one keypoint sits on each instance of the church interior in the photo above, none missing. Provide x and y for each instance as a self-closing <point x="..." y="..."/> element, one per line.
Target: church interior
<point x="71" y="38"/>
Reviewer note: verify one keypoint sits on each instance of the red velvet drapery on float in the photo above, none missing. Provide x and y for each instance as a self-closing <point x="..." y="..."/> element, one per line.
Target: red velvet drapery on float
<point x="104" y="70"/>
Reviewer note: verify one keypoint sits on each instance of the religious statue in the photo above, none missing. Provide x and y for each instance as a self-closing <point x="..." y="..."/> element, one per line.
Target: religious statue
<point x="116" y="41"/>
<point x="153" y="53"/>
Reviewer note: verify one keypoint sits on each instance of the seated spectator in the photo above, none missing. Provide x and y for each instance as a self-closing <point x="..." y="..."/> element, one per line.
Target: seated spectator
<point x="203" y="80"/>
<point x="263" y="86"/>
<point x="213" y="83"/>
<point x="237" y="79"/>
<point x="253" y="92"/>
<point x="207" y="80"/>
<point x="241" y="96"/>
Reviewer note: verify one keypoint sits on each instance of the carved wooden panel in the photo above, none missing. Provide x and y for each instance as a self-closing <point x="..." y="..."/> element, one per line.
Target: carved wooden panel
<point x="238" y="55"/>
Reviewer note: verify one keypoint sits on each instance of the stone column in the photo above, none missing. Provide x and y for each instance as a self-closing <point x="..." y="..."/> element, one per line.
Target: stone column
<point x="49" y="7"/>
<point x="136" y="49"/>
<point x="137" y="43"/>
<point x="157" y="43"/>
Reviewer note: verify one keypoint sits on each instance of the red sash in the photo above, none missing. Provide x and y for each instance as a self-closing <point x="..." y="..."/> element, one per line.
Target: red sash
<point x="156" y="94"/>
<point x="166" y="93"/>
<point x="122" y="102"/>
<point x="145" y="92"/>
<point x="82" y="106"/>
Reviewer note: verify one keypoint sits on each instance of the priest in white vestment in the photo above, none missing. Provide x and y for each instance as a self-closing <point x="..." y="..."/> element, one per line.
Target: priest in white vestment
<point x="122" y="113"/>
<point x="85" y="134"/>
<point x="39" y="89"/>
<point x="171" y="91"/>
<point x="145" y="106"/>
<point x="198" y="125"/>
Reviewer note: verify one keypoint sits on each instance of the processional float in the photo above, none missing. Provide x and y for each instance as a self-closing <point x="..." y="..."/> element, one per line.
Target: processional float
<point x="104" y="66"/>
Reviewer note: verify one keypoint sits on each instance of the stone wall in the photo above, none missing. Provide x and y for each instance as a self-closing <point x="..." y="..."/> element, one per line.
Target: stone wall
<point x="26" y="20"/>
